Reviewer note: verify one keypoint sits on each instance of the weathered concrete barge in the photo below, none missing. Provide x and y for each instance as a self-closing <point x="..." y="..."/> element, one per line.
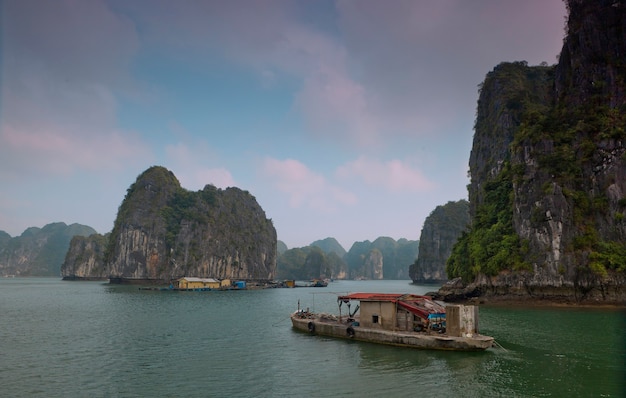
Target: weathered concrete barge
<point x="399" y="319"/>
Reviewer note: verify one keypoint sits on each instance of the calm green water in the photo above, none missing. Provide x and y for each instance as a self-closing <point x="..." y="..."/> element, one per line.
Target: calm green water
<point x="89" y="339"/>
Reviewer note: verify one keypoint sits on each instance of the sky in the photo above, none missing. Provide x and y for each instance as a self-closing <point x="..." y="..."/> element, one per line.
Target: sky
<point x="350" y="119"/>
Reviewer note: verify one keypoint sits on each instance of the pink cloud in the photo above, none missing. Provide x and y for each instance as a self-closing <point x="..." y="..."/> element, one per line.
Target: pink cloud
<point x="275" y="44"/>
<point x="304" y="187"/>
<point x="46" y="150"/>
<point x="393" y="175"/>
<point x="189" y="164"/>
<point x="64" y="64"/>
<point x="34" y="141"/>
<point x="410" y="69"/>
<point x="422" y="61"/>
<point x="336" y="108"/>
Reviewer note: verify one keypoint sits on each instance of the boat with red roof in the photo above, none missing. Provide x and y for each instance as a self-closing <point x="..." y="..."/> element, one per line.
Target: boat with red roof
<point x="406" y="320"/>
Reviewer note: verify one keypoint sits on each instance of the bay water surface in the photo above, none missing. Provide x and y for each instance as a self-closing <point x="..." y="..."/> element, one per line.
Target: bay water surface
<point x="92" y="339"/>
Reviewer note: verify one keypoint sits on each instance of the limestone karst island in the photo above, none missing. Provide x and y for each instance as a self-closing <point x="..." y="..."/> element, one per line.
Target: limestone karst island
<point x="163" y="232"/>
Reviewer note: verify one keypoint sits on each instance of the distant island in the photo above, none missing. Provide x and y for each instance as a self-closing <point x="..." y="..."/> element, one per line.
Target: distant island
<point x="38" y="251"/>
<point x="384" y="258"/>
<point x="442" y="229"/>
<point x="82" y="251"/>
<point x="163" y="232"/>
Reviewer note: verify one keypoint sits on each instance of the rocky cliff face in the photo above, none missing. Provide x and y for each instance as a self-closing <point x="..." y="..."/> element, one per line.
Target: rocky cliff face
<point x="163" y="232"/>
<point x="592" y="63"/>
<point x="441" y="230"/>
<point x="85" y="258"/>
<point x="330" y="245"/>
<point x="310" y="262"/>
<point x="572" y="215"/>
<point x="548" y="169"/>
<point x="505" y="96"/>
<point x="38" y="251"/>
<point x="341" y="270"/>
<point x="372" y="267"/>
<point x="397" y="256"/>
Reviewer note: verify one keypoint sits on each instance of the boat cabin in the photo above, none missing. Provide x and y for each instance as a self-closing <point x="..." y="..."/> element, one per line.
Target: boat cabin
<point x="406" y="312"/>
<point x="410" y="312"/>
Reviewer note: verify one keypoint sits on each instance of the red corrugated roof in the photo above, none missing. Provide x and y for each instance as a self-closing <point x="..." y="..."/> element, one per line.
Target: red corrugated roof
<point x="372" y="296"/>
<point x="382" y="296"/>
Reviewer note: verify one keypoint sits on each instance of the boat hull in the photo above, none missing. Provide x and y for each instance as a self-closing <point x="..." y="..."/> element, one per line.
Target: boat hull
<point x="420" y="340"/>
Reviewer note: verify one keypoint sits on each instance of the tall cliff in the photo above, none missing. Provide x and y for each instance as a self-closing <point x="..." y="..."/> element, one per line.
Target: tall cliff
<point x="310" y="262"/>
<point x="38" y="251"/>
<point x="330" y="245"/>
<point x="441" y="230"/>
<point x="84" y="259"/>
<point x="163" y="232"/>
<point x="548" y="170"/>
<point x="397" y="256"/>
<point x="372" y="266"/>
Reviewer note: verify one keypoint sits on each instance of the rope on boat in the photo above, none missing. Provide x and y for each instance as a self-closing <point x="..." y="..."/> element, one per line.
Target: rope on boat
<point x="283" y="320"/>
<point x="496" y="344"/>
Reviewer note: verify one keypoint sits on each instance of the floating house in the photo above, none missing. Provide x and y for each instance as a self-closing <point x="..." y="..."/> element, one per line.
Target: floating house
<point x="192" y="283"/>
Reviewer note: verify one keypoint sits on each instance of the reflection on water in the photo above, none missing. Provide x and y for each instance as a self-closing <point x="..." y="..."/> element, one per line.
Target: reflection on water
<point x="93" y="339"/>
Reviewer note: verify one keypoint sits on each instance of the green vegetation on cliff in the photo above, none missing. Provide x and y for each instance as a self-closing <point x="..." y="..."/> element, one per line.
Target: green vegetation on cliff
<point x="384" y="257"/>
<point x="152" y="190"/>
<point x="564" y="141"/>
<point x="163" y="231"/>
<point x="308" y="263"/>
<point x="548" y="166"/>
<point x="38" y="251"/>
<point x="513" y="95"/>
<point x="330" y="245"/>
<point x="491" y="245"/>
<point x="442" y="229"/>
<point x="85" y="258"/>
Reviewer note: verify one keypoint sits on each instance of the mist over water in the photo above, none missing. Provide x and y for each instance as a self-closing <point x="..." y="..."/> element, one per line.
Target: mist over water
<point x="66" y="339"/>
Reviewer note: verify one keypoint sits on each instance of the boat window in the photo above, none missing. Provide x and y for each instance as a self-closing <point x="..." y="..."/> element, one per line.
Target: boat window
<point x="374" y="318"/>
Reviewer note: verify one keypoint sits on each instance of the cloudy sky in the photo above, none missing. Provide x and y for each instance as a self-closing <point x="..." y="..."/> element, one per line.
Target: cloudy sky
<point x="350" y="119"/>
